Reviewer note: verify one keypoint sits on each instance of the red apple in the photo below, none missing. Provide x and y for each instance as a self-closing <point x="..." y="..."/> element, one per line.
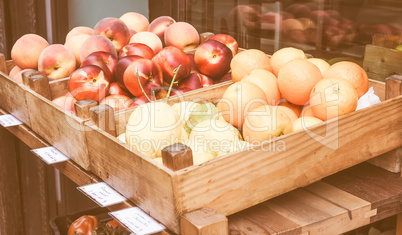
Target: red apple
<point x="121" y="68"/>
<point x="66" y="102"/>
<point x="228" y="40"/>
<point x="117" y="102"/>
<point x="115" y="89"/>
<point x="182" y="35"/>
<point x="191" y="82"/>
<point x="159" y="25"/>
<point x="114" y="29"/>
<point x="26" y="50"/>
<point x="56" y="61"/>
<point x="141" y="100"/>
<point x="213" y="59"/>
<point x="97" y="43"/>
<point x="194" y="68"/>
<point x="106" y="61"/>
<point x="89" y="82"/>
<point x="78" y="30"/>
<point x="225" y="78"/>
<point x="169" y="58"/>
<point x="205" y="80"/>
<point x="139" y="49"/>
<point x="149" y="74"/>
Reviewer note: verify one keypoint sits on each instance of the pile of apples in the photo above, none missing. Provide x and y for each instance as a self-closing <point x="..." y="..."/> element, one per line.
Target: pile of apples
<point x="103" y="62"/>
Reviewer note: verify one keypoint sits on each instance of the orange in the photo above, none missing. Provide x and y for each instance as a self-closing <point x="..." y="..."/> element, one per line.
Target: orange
<point x="267" y="82"/>
<point x="291" y="114"/>
<point x="295" y="108"/>
<point x="264" y="123"/>
<point x="283" y="56"/>
<point x="238" y="99"/>
<point x="248" y="60"/>
<point x="307" y="111"/>
<point x="351" y="72"/>
<point x="333" y="97"/>
<point x="296" y="79"/>
<point x="303" y="122"/>
<point x="322" y="65"/>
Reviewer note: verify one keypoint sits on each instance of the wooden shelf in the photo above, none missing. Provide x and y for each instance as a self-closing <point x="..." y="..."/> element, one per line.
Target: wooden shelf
<point x="339" y="203"/>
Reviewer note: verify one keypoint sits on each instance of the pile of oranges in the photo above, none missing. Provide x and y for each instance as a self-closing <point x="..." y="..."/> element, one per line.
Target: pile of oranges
<point x="285" y="92"/>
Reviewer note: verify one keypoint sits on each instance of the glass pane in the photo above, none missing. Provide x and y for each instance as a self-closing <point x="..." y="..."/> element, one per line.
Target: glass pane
<point x="323" y="28"/>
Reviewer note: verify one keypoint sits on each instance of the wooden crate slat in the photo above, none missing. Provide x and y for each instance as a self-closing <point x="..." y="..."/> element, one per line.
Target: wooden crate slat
<point x="380" y="62"/>
<point x="234" y="178"/>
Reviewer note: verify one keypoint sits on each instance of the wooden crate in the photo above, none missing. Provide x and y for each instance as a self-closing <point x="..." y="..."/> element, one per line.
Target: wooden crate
<point x="381" y="62"/>
<point x="236" y="181"/>
<point x="32" y="105"/>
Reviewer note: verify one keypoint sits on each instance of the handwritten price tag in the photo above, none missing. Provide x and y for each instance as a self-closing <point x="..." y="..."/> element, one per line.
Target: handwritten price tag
<point x="137" y="221"/>
<point x="9" y="120"/>
<point x="50" y="155"/>
<point x="102" y="194"/>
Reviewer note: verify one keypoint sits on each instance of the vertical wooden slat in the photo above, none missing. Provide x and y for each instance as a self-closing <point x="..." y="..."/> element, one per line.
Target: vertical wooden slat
<point x="103" y="117"/>
<point x="3" y="25"/>
<point x="204" y="221"/>
<point x="399" y="224"/>
<point x="11" y="219"/>
<point x="40" y="84"/>
<point x="82" y="108"/>
<point x="177" y="156"/>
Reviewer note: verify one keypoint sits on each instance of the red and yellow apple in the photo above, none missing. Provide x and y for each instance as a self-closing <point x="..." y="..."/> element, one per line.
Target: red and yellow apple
<point x="89" y="82"/>
<point x="228" y="40"/>
<point x="97" y="43"/>
<point x="79" y="30"/>
<point x="148" y="38"/>
<point x="135" y="21"/>
<point x="159" y="25"/>
<point x="213" y="59"/>
<point x="182" y="35"/>
<point x="139" y="49"/>
<point x="117" y="102"/>
<point x="26" y="50"/>
<point x="115" y="89"/>
<point x="56" y="61"/>
<point x="121" y="67"/>
<point x="168" y="59"/>
<point x="114" y="29"/>
<point x="106" y="61"/>
<point x="149" y="73"/>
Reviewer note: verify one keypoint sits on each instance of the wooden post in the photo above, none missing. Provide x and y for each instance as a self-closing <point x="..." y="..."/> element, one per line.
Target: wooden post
<point x="177" y="156"/>
<point x="40" y="84"/>
<point x="103" y="117"/>
<point x="204" y="221"/>
<point x="3" y="65"/>
<point x="392" y="160"/>
<point x="11" y="216"/>
<point x="82" y="108"/>
<point x="399" y="224"/>
<point x="27" y="75"/>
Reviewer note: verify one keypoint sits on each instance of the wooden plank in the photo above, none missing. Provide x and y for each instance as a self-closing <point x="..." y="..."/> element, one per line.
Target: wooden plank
<point x="204" y="221"/>
<point x="13" y="98"/>
<point x="379" y="88"/>
<point x="399" y="224"/>
<point x="59" y="87"/>
<point x="382" y="61"/>
<point x="241" y="177"/>
<point x="61" y="129"/>
<point x="103" y="117"/>
<point x="145" y="181"/>
<point x="381" y="188"/>
<point x="11" y="217"/>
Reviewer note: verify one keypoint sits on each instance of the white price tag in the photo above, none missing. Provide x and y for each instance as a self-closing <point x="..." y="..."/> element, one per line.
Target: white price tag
<point x="9" y="120"/>
<point x="50" y="155"/>
<point x="137" y="221"/>
<point x="102" y="194"/>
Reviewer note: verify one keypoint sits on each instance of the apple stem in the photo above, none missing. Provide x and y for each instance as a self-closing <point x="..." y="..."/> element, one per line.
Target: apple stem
<point x="142" y="89"/>
<point x="175" y="71"/>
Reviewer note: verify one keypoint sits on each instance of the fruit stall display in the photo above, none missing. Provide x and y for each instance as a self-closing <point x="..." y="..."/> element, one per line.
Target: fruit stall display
<point x="258" y="125"/>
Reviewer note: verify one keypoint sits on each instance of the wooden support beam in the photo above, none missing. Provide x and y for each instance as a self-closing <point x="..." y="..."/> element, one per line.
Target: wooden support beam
<point x="40" y="84"/>
<point x="82" y="108"/>
<point x="103" y="117"/>
<point x="177" y="156"/>
<point x="204" y="221"/>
